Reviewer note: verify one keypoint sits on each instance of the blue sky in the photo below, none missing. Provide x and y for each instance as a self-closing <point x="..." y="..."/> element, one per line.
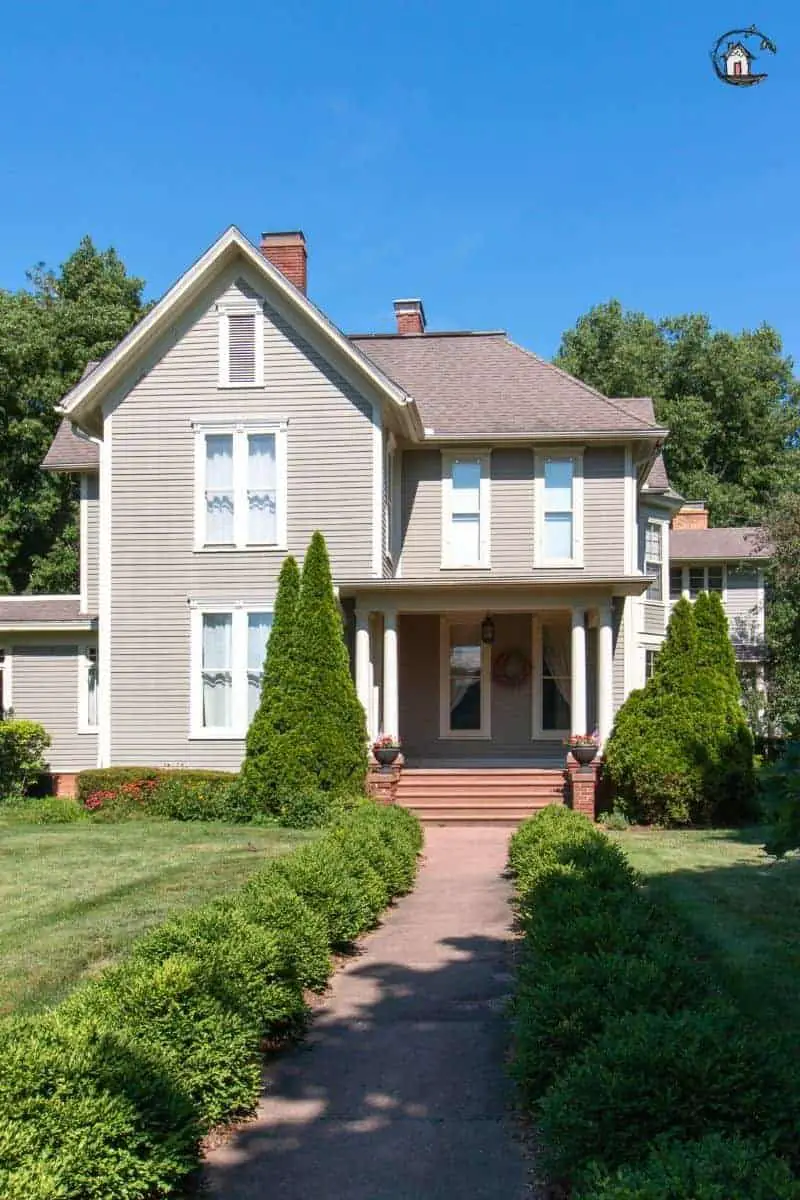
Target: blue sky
<point x="512" y="163"/>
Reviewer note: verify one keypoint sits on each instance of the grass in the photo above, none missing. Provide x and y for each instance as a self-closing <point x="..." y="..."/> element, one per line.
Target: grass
<point x="744" y="907"/>
<point x="73" y="897"/>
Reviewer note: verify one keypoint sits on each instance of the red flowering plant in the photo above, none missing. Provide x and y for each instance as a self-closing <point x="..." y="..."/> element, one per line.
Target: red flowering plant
<point x="386" y="741"/>
<point x="583" y="739"/>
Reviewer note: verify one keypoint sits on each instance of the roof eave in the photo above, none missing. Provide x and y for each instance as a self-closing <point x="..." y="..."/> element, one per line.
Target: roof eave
<point x="655" y="435"/>
<point x="622" y="585"/>
<point x="80" y="402"/>
<point x="83" y="624"/>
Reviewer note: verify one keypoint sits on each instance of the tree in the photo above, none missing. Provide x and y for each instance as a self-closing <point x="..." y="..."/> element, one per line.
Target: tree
<point x="783" y="614"/>
<point x="730" y="401"/>
<point x="680" y="749"/>
<point x="262" y="757"/>
<point x="47" y="335"/>
<point x="324" y="747"/>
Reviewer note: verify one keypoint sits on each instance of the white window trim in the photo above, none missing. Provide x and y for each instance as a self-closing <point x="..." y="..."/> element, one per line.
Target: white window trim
<point x="83" y="542"/>
<point x="84" y="662"/>
<point x="540" y="458"/>
<point x="685" y="591"/>
<point x="240" y="429"/>
<point x="389" y="467"/>
<point x="483" y="457"/>
<point x="8" y="678"/>
<point x="239" y="613"/>
<point x="665" y="567"/>
<point x="446" y="734"/>
<point x="647" y="641"/>
<point x="538" y="733"/>
<point x="241" y="307"/>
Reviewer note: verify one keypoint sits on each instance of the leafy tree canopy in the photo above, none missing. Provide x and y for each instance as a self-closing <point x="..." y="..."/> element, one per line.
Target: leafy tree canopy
<point x="730" y="401"/>
<point x="48" y="332"/>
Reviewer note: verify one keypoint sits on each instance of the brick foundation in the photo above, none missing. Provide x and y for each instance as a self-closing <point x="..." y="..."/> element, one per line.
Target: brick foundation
<point x="582" y="787"/>
<point x="382" y="783"/>
<point x="64" y="785"/>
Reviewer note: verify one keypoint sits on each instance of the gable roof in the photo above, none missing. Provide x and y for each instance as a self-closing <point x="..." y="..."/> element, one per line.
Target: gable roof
<point x="71" y="451"/>
<point x="485" y="385"/>
<point x="728" y="543"/>
<point x="82" y="402"/>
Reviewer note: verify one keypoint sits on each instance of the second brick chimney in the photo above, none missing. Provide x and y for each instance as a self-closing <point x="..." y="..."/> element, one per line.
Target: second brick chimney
<point x="693" y="515"/>
<point x="287" y="252"/>
<point x="410" y="316"/>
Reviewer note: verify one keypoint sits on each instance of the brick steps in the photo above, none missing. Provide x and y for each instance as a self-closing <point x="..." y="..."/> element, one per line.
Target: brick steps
<point x="463" y="796"/>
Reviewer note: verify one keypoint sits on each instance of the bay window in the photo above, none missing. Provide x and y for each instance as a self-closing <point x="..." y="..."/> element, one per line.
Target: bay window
<point x="228" y="652"/>
<point x="559" y="510"/>
<point x="654" y="559"/>
<point x="465" y="510"/>
<point x="240" y="482"/>
<point x="88" y="690"/>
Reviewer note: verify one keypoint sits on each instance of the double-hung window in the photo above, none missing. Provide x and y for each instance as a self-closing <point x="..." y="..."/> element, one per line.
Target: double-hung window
<point x="654" y="559"/>
<point x="228" y="652"/>
<point x="705" y="579"/>
<point x="241" y="344"/>
<point x="89" y="691"/>
<point x="465" y="510"/>
<point x="240" y="482"/>
<point x="559" y="509"/>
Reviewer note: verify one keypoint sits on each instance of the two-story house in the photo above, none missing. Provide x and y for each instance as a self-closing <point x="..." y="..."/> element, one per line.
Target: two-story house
<point x="499" y="532"/>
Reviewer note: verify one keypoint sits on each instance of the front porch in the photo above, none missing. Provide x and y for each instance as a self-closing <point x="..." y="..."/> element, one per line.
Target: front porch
<point x="493" y="688"/>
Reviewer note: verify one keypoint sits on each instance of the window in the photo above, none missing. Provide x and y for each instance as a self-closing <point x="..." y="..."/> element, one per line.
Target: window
<point x="241" y="344"/>
<point x="465" y="681"/>
<point x="89" y="690"/>
<point x="228" y="659"/>
<point x="388" y="492"/>
<point x="556" y="677"/>
<point x="705" y="579"/>
<point x="675" y="583"/>
<point x="241" y="486"/>
<point x="650" y="657"/>
<point x="653" y="559"/>
<point x="559" y="505"/>
<point x="465" y="511"/>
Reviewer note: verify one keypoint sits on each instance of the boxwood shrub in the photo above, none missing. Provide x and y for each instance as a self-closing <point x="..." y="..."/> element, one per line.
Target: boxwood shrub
<point x="622" y="1037"/>
<point x="124" y="793"/>
<point x="107" y="1096"/>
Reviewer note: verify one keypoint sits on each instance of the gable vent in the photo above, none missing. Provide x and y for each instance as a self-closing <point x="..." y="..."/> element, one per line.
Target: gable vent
<point x="242" y="347"/>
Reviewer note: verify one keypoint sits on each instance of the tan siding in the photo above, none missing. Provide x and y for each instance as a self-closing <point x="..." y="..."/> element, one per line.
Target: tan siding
<point x="45" y="689"/>
<point x="743" y="606"/>
<point x="93" y="541"/>
<point x="156" y="572"/>
<point x="512" y="513"/>
<point x="653" y="620"/>
<point x="604" y="509"/>
<point x="619" y="653"/>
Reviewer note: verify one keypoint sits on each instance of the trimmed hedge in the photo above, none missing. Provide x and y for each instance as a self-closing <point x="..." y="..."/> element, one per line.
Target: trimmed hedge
<point x="124" y="793"/>
<point x="622" y="1038"/>
<point x="107" y="1096"/>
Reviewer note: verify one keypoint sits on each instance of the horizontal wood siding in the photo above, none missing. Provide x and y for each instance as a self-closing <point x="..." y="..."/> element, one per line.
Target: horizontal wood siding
<point x="155" y="570"/>
<point x="619" y="653"/>
<point x="45" y="689"/>
<point x="743" y="605"/>
<point x="653" y="618"/>
<point x="93" y="541"/>
<point x="512" y="513"/>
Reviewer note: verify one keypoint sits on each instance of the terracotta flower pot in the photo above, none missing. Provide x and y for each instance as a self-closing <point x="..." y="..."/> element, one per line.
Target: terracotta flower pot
<point x="386" y="755"/>
<point x="584" y="754"/>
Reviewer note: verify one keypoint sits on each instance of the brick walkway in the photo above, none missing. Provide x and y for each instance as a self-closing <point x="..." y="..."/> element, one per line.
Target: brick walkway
<point x="400" y="1092"/>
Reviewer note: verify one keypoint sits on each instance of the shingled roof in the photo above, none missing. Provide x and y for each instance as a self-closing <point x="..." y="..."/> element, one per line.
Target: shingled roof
<point x="483" y="384"/>
<point x="642" y="407"/>
<point x="71" y="451"/>
<point x="28" y="612"/>
<point x="728" y="544"/>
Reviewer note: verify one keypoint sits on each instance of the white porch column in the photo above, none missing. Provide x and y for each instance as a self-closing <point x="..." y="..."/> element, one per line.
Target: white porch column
<point x="578" y="705"/>
<point x="363" y="660"/>
<point x="605" y="673"/>
<point x="391" y="686"/>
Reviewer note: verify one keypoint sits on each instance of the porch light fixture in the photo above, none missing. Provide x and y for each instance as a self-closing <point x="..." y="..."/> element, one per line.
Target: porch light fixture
<point x="487" y="631"/>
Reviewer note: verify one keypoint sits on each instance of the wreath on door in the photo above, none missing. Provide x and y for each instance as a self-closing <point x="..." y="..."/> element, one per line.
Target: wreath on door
<point x="512" y="668"/>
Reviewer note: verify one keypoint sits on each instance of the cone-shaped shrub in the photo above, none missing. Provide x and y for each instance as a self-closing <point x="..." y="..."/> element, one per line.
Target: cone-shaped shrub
<point x="259" y="776"/>
<point x="324" y="748"/>
<point x="680" y="750"/>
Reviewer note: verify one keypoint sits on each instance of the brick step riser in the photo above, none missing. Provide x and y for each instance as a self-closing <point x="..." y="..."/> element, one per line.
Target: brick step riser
<point x="516" y="789"/>
<point x="459" y="793"/>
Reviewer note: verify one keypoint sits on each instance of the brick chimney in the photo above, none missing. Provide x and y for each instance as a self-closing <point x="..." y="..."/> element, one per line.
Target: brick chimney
<point x="287" y="252"/>
<point x="410" y="316"/>
<point x="693" y="515"/>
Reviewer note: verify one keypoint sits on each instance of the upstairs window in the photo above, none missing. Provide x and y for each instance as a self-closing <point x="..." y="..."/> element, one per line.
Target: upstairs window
<point x="705" y="579"/>
<point x="675" y="583"/>
<point x="559" y="505"/>
<point x="240" y="476"/>
<point x="88" y="706"/>
<point x="241" y="345"/>
<point x="465" y="511"/>
<point x="654" y="559"/>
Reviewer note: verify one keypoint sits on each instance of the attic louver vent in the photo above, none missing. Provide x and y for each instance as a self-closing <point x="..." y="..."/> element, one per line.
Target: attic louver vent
<point x="242" y="347"/>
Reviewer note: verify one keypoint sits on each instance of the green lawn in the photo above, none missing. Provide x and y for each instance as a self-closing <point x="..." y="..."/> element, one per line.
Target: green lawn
<point x="72" y="897"/>
<point x="742" y="905"/>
